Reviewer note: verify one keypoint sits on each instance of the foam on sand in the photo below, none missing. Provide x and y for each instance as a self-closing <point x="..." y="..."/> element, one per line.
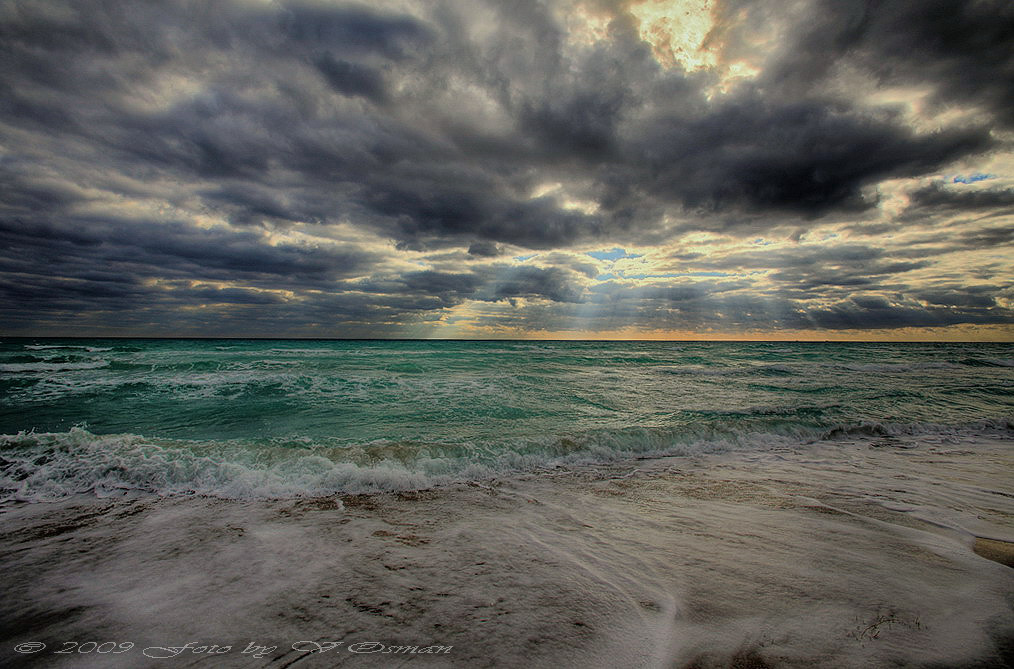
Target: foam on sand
<point x="845" y="554"/>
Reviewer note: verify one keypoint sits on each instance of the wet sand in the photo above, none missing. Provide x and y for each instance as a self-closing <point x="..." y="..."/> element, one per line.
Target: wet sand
<point x="841" y="555"/>
<point x="998" y="551"/>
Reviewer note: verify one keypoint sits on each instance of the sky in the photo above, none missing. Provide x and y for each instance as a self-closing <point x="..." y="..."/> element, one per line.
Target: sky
<point x="639" y="169"/>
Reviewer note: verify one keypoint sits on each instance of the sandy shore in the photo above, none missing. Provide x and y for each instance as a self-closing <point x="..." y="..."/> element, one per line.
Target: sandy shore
<point x="825" y="556"/>
<point x="1000" y="551"/>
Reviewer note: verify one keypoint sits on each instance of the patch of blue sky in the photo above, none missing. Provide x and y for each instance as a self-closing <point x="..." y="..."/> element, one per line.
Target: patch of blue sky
<point x="524" y="258"/>
<point x="972" y="178"/>
<point x="614" y="254"/>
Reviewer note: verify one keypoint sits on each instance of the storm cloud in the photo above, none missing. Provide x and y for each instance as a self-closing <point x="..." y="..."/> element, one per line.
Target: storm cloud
<point x="338" y="169"/>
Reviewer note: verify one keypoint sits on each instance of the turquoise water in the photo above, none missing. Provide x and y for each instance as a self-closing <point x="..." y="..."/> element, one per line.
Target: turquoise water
<point x="277" y="418"/>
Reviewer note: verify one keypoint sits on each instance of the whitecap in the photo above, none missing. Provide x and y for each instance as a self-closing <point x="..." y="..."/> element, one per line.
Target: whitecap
<point x="51" y="366"/>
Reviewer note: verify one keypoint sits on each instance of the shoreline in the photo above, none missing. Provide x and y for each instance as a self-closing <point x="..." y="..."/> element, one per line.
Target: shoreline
<point x="784" y="558"/>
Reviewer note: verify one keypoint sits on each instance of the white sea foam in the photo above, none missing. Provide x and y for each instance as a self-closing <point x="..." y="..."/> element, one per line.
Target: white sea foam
<point x="854" y="553"/>
<point x="45" y="467"/>
<point x="90" y="349"/>
<point x="51" y="366"/>
<point x="48" y="466"/>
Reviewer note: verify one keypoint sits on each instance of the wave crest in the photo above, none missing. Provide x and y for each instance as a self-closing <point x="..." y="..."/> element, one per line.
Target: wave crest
<point x="47" y="466"/>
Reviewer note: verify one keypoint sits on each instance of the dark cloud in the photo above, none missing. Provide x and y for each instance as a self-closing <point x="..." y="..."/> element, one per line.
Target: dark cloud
<point x="839" y="255"/>
<point x="805" y="279"/>
<point x="352" y="28"/>
<point x="936" y="197"/>
<point x="134" y="132"/>
<point x="958" y="298"/>
<point x="551" y="283"/>
<point x="485" y="249"/>
<point x="352" y="79"/>
<point x="581" y="127"/>
<point x="809" y="157"/>
<point x="171" y="250"/>
<point x="488" y="283"/>
<point x="581" y="265"/>
<point x="960" y="49"/>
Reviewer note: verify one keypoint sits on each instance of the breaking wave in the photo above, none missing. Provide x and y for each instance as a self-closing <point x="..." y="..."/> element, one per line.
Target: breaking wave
<point x="38" y="467"/>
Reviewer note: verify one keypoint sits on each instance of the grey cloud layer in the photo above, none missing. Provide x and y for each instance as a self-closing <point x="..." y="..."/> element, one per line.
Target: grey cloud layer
<point x="432" y="129"/>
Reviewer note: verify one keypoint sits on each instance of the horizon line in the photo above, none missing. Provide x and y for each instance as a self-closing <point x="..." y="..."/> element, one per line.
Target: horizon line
<point x="514" y="339"/>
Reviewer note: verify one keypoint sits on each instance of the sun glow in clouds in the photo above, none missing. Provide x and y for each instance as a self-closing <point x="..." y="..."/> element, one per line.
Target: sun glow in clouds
<point x="677" y="31"/>
<point x="683" y="34"/>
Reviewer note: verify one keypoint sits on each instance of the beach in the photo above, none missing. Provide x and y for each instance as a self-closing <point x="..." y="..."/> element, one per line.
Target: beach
<point x="528" y="334"/>
<point x="850" y="552"/>
<point x="540" y="334"/>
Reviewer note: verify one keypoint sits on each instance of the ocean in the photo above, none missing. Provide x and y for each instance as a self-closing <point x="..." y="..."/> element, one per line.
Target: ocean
<point x="283" y="418"/>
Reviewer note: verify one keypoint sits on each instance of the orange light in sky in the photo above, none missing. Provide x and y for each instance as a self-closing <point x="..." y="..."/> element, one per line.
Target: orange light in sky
<point x="677" y="31"/>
